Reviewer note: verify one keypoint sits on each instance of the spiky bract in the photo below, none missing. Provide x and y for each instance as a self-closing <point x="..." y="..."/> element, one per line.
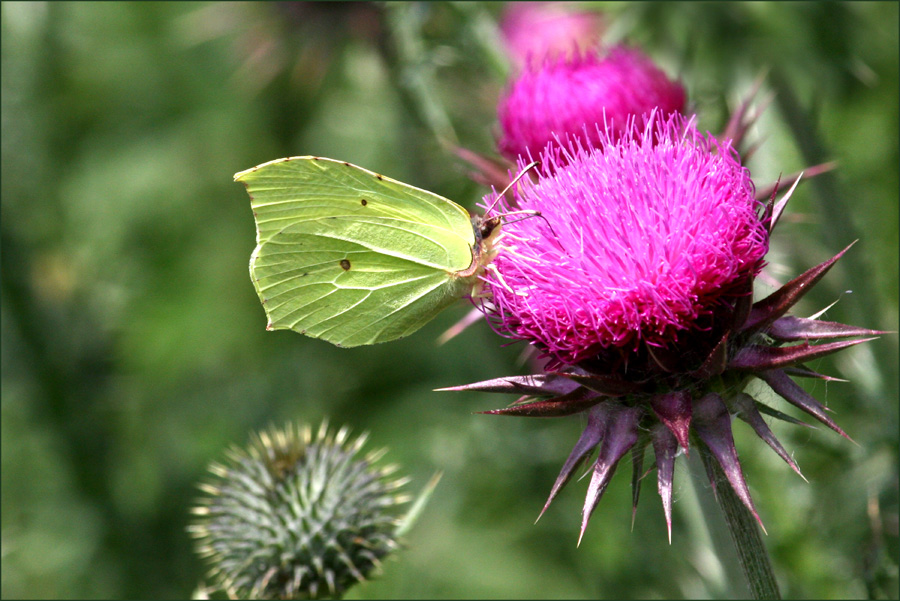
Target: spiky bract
<point x="532" y="31"/>
<point x="296" y="515"/>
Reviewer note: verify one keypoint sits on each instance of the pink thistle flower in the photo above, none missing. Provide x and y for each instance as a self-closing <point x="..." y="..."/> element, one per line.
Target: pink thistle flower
<point x="641" y="239"/>
<point x="635" y="282"/>
<point x="532" y="31"/>
<point x="578" y="97"/>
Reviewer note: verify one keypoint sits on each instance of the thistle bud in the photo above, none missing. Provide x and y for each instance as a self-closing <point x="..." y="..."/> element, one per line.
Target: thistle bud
<point x="297" y="515"/>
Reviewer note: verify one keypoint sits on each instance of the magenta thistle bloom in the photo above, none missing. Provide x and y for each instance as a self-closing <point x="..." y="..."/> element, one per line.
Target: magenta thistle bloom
<point x="534" y="30"/>
<point x="635" y="282"/>
<point x="648" y="239"/>
<point x="558" y="98"/>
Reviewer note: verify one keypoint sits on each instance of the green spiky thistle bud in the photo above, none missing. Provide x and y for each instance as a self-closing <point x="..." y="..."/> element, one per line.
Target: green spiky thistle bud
<point x="297" y="515"/>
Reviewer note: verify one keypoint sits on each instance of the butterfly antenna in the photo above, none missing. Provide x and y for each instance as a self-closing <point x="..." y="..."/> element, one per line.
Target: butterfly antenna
<point x="515" y="180"/>
<point x="548" y="224"/>
<point x="529" y="213"/>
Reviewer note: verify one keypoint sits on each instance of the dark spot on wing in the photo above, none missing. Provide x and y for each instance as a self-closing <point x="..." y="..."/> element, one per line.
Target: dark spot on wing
<point x="379" y="176"/>
<point x="346" y="164"/>
<point x="345" y="264"/>
<point x="363" y="201"/>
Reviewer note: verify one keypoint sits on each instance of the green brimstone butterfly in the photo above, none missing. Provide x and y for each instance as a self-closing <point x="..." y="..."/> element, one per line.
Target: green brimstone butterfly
<point x="353" y="257"/>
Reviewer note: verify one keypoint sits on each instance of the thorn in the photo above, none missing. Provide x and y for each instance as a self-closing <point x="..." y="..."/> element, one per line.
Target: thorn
<point x="756" y="358"/>
<point x="790" y="328"/>
<point x="777" y="304"/>
<point x="664" y="447"/>
<point x="793" y="393"/>
<point x="810" y="172"/>
<point x="589" y="439"/>
<point x="674" y="410"/>
<point x="819" y="314"/>
<point x="779" y="206"/>
<point x="620" y="434"/>
<point x="574" y="402"/>
<point x="747" y="411"/>
<point x="713" y="426"/>
<point x="637" y="464"/>
<point x="803" y="372"/>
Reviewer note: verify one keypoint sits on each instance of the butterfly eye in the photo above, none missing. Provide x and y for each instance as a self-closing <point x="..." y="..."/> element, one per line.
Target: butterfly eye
<point x="488" y="226"/>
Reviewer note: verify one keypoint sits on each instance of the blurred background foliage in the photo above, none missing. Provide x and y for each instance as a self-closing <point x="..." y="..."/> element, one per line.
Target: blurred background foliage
<point x="134" y="348"/>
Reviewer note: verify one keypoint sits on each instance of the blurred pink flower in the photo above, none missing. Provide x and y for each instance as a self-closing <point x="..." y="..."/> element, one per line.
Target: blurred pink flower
<point x="534" y="30"/>
<point x="571" y="97"/>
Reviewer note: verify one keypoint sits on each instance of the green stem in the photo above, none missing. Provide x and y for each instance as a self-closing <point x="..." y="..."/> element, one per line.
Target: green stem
<point x="752" y="554"/>
<point x="417" y="70"/>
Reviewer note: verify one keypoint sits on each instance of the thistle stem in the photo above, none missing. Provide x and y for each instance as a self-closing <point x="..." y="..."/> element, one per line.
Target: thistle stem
<point x="752" y="554"/>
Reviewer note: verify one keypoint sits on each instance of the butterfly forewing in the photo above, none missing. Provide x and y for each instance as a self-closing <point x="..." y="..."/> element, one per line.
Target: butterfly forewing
<point x="286" y="191"/>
